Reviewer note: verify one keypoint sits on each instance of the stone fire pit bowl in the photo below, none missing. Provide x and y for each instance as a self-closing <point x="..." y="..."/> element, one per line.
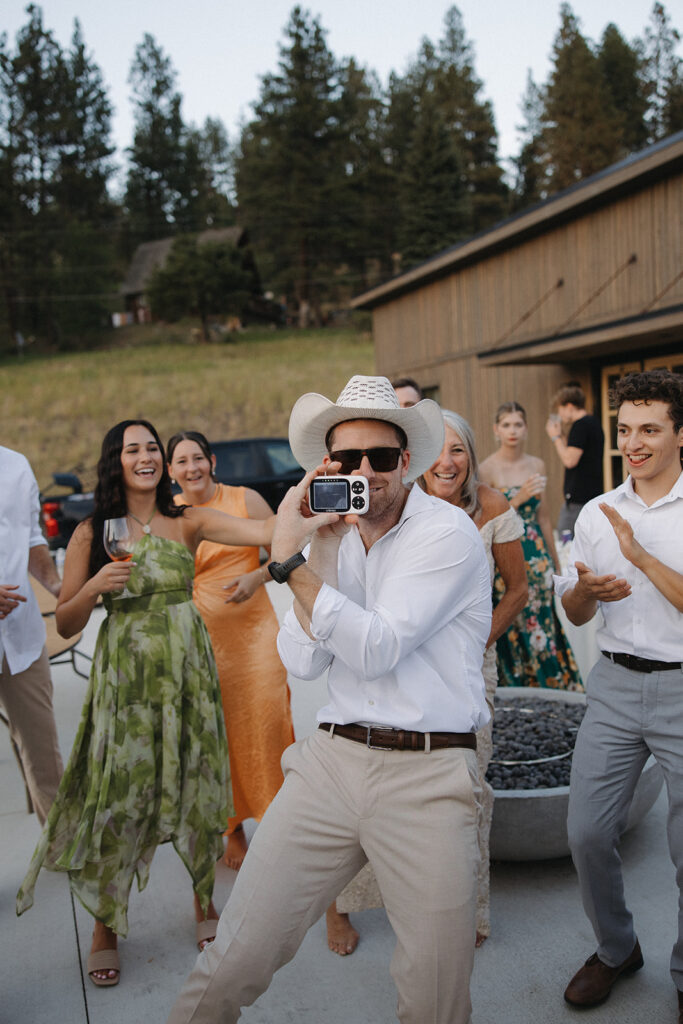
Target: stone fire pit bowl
<point x="531" y="824"/>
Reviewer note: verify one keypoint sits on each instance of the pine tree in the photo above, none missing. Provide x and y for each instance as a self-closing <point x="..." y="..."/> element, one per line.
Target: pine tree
<point x="531" y="164"/>
<point x="55" y="214"/>
<point x="581" y="126"/>
<point x="663" y="75"/>
<point x="286" y="170"/>
<point x="434" y="202"/>
<point x="157" y="154"/>
<point x="620" y="66"/>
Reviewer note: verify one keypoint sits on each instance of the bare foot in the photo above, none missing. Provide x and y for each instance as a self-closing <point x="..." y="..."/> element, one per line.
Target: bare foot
<point x="342" y="937"/>
<point x="236" y="850"/>
<point x="103" y="938"/>
<point x="199" y="916"/>
<point x="480" y="939"/>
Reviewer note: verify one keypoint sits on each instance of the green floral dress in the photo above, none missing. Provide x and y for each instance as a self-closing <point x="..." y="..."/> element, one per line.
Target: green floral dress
<point x="535" y="651"/>
<point x="150" y="762"/>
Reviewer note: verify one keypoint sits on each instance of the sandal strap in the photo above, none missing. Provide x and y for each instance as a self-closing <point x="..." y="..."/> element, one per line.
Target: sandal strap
<point x="206" y="930"/>
<point x="104" y="960"/>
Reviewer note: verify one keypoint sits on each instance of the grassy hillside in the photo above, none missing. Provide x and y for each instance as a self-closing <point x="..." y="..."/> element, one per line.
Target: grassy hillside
<point x="56" y="409"/>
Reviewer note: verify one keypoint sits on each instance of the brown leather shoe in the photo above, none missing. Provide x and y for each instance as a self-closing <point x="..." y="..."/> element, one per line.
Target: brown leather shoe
<point x="593" y="983"/>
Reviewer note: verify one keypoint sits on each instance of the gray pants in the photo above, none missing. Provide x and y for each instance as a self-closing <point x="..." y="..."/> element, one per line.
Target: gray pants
<point x="630" y="715"/>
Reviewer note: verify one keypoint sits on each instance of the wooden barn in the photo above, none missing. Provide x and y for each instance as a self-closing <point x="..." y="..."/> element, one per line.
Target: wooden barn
<point x="585" y="286"/>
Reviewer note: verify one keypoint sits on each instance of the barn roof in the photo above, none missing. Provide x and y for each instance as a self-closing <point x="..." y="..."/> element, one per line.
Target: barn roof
<point x="150" y="255"/>
<point x="629" y="175"/>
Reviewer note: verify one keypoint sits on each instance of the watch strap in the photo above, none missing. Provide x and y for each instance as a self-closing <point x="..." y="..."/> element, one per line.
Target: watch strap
<point x="280" y="571"/>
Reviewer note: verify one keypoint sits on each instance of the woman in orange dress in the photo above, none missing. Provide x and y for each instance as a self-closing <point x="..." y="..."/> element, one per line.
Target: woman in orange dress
<point x="229" y="592"/>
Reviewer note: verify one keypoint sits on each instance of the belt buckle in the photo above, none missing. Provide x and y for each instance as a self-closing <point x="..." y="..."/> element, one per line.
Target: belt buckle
<point x="375" y="746"/>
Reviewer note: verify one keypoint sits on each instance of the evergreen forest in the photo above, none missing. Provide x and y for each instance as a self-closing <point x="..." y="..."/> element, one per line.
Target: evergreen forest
<point x="338" y="181"/>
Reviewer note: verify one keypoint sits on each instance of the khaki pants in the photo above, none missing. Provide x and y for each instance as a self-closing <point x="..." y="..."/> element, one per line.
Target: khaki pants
<point x="27" y="699"/>
<point x="414" y="816"/>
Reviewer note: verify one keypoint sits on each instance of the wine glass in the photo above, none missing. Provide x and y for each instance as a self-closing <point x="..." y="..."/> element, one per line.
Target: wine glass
<point x="118" y="539"/>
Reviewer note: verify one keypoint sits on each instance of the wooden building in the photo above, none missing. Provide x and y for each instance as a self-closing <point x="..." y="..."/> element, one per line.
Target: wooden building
<point x="150" y="256"/>
<point x="585" y="286"/>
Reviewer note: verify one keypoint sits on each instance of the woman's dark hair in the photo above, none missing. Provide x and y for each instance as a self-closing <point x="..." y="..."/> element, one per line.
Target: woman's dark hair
<point x="190" y="435"/>
<point x="110" y="493"/>
<point x="508" y="407"/>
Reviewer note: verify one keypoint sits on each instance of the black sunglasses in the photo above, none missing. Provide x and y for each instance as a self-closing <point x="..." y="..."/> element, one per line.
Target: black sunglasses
<point x="382" y="460"/>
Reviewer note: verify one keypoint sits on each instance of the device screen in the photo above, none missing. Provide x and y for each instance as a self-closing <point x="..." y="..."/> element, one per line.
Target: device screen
<point x="329" y="495"/>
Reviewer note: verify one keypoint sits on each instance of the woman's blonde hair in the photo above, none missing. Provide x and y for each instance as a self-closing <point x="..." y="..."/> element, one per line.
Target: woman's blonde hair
<point x="469" y="499"/>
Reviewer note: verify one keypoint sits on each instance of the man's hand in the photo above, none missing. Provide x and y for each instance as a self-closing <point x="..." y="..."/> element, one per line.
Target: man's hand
<point x="553" y="429"/>
<point x="9" y="599"/>
<point x="590" y="587"/>
<point x="630" y="548"/>
<point x="295" y="523"/>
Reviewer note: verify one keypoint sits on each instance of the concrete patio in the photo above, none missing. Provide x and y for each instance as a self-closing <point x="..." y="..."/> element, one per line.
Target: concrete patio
<point x="540" y="935"/>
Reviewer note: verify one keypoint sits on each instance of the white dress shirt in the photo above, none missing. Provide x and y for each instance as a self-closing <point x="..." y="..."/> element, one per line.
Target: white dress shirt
<point x="22" y="632"/>
<point x="644" y="624"/>
<point x="404" y="633"/>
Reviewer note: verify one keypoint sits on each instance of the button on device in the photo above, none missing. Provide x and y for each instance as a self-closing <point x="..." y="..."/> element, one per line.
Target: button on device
<point x="358" y="502"/>
<point x="357" y="487"/>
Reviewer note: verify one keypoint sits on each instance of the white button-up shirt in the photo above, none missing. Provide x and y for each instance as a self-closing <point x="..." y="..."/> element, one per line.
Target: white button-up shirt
<point x="644" y="624"/>
<point x="404" y="633"/>
<point x="22" y="632"/>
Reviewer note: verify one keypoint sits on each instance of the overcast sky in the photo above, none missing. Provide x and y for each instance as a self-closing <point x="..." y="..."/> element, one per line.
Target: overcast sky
<point x="221" y="48"/>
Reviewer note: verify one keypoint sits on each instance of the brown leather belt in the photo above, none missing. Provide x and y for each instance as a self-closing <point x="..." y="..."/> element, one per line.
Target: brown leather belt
<point x="380" y="738"/>
<point x="637" y="664"/>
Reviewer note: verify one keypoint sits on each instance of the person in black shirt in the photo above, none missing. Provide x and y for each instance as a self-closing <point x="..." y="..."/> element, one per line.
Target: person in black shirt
<point x="580" y="453"/>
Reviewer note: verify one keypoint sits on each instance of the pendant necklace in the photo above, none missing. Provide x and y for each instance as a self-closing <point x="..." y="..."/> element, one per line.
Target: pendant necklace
<point x="146" y="528"/>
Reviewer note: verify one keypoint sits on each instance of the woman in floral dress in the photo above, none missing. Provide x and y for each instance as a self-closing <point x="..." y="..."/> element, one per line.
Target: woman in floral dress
<point x="150" y="763"/>
<point x="534" y="651"/>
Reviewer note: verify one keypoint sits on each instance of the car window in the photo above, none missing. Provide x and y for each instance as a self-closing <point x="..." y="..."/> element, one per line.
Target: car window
<point x="281" y="458"/>
<point x="237" y="460"/>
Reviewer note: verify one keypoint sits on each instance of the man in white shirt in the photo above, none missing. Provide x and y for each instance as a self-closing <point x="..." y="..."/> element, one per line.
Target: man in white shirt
<point x="396" y="604"/>
<point x="627" y="560"/>
<point x="25" y="683"/>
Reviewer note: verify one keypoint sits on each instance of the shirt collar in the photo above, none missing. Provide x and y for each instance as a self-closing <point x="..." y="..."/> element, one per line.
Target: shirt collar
<point x="626" y="490"/>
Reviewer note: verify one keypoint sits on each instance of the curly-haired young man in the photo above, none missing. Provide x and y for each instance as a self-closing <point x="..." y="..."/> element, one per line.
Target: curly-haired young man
<point x="627" y="561"/>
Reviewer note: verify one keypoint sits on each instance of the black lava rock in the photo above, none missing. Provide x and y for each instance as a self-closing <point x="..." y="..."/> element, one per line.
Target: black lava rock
<point x="533" y="742"/>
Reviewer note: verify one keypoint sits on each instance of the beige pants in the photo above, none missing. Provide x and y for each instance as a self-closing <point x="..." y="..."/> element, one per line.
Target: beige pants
<point x="414" y="816"/>
<point x="27" y="699"/>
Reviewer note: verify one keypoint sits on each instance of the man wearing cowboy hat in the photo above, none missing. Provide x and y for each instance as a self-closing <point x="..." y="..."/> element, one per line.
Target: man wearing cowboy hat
<point x="396" y="604"/>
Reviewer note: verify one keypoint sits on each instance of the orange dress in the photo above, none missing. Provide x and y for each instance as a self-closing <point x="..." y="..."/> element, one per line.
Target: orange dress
<point x="258" y="717"/>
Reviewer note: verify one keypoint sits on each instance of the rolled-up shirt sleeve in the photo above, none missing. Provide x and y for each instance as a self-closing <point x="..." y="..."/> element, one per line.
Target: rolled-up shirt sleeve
<point x="36" y="536"/>
<point x="580" y="551"/>
<point x="303" y="657"/>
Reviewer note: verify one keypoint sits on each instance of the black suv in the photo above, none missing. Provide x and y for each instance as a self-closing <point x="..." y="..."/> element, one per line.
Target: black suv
<point x="265" y="464"/>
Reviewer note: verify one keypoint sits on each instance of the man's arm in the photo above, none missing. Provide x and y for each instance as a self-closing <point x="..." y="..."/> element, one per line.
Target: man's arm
<point x="569" y="455"/>
<point x="667" y="581"/>
<point x="41" y="566"/>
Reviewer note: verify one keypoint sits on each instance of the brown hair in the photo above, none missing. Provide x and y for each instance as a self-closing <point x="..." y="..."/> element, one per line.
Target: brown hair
<point x="569" y="394"/>
<point x="190" y="435"/>
<point x="507" y="407"/>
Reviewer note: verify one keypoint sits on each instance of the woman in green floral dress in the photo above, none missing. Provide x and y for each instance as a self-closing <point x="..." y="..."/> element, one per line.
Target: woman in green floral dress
<point x="150" y="763"/>
<point x="534" y="651"/>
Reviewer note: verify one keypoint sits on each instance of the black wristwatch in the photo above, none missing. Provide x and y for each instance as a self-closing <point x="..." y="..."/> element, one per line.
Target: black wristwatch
<point x="280" y="570"/>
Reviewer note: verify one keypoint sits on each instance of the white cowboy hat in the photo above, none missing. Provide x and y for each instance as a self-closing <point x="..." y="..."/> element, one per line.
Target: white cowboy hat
<point x="366" y="398"/>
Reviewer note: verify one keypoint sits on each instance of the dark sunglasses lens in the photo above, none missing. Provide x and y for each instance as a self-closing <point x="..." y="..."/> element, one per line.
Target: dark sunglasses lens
<point x="382" y="460"/>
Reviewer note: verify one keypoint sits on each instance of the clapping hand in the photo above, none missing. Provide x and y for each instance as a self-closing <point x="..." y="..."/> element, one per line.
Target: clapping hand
<point x="630" y="548"/>
<point x="600" y="588"/>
